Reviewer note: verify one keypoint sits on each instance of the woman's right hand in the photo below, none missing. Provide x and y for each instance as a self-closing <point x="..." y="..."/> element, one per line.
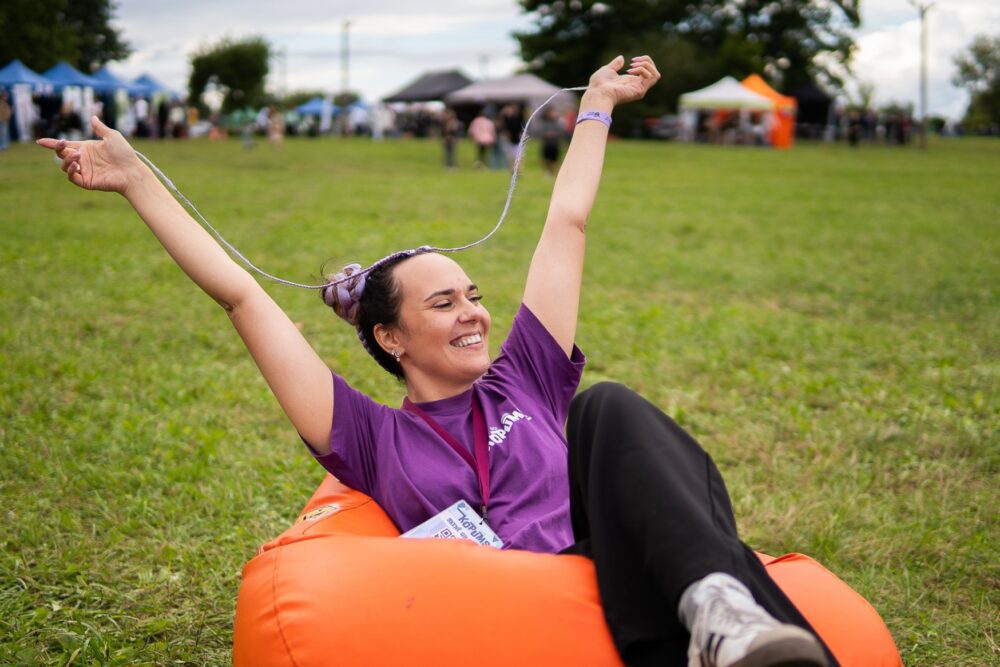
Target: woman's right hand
<point x="108" y="163"/>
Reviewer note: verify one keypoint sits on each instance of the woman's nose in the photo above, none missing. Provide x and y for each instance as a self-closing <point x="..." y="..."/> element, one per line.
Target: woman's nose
<point x="468" y="310"/>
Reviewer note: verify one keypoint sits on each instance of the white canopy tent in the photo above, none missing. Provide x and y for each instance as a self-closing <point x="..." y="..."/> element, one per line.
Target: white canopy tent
<point x="726" y="94"/>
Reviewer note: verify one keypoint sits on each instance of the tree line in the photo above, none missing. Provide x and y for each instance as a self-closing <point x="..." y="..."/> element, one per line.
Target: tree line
<point x="694" y="42"/>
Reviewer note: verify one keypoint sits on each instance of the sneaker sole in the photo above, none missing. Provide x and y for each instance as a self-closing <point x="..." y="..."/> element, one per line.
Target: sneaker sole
<point x="798" y="650"/>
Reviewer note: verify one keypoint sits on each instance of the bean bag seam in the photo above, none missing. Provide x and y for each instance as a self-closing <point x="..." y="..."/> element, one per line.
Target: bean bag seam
<point x="277" y="609"/>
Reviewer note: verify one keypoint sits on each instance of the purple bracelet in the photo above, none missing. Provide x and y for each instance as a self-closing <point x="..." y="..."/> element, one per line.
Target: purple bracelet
<point x="594" y="115"/>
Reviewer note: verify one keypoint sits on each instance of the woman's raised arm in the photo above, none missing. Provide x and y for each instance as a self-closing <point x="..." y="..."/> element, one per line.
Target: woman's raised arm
<point x="552" y="291"/>
<point x="299" y="379"/>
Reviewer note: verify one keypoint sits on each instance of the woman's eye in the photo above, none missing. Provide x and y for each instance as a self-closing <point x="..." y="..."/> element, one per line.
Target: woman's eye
<point x="442" y="304"/>
<point x="476" y="298"/>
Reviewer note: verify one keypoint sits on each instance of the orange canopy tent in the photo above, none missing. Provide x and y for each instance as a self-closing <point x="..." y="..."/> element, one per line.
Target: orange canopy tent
<point x="783" y="124"/>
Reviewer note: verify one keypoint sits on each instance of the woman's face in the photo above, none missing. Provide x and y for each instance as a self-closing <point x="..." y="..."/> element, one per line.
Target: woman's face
<point x="444" y="332"/>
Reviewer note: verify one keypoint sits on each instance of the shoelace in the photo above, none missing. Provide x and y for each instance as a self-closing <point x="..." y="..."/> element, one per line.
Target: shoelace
<point x="729" y="620"/>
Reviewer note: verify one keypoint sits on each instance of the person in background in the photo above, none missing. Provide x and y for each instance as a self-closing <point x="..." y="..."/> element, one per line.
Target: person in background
<point x="550" y="132"/>
<point x="382" y="122"/>
<point x="162" y="116"/>
<point x="450" y="128"/>
<point x="5" y="115"/>
<point x="483" y="132"/>
<point x="510" y="124"/>
<point x="141" y="118"/>
<point x="246" y="135"/>
<point x="176" y="121"/>
<point x="276" y="127"/>
<point x="70" y="125"/>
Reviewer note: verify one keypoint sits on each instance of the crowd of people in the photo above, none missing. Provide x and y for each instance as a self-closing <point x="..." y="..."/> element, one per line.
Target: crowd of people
<point x="492" y="131"/>
<point x="869" y="126"/>
<point x="496" y="134"/>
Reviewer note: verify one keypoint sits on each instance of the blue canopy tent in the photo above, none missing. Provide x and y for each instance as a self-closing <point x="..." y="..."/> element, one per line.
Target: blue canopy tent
<point x="77" y="92"/>
<point x="21" y="80"/>
<point x="314" y="107"/>
<point x="16" y="72"/>
<point x="115" y="98"/>
<point x="153" y="86"/>
<point x="115" y="82"/>
<point x="63" y="74"/>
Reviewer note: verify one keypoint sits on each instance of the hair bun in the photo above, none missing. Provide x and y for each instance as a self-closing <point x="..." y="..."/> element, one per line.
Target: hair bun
<point x="344" y="293"/>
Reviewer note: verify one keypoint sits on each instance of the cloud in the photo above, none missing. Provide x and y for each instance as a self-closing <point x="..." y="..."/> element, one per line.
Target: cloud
<point x="888" y="53"/>
<point x="391" y="41"/>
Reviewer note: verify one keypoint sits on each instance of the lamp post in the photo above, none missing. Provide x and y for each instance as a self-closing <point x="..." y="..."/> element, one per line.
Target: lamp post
<point x="345" y="72"/>
<point x="345" y="56"/>
<point x="923" y="6"/>
<point x="280" y="54"/>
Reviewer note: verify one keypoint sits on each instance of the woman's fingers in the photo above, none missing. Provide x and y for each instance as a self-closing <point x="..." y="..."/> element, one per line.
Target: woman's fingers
<point x="69" y="166"/>
<point x="644" y="69"/>
<point x="59" y="145"/>
<point x="75" y="175"/>
<point x="643" y="66"/>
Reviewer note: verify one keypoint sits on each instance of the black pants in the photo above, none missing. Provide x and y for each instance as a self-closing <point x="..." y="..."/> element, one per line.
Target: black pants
<point x="651" y="509"/>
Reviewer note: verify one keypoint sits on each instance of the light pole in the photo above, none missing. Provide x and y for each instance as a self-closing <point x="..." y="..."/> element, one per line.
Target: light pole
<point x="345" y="56"/>
<point x="923" y="6"/>
<point x="281" y="54"/>
<point x="345" y="72"/>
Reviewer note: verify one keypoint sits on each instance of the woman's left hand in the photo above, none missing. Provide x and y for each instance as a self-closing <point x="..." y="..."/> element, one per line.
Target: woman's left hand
<point x="628" y="87"/>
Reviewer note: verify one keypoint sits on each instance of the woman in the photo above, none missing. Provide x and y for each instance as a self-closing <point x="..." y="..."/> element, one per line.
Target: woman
<point x="550" y="132"/>
<point x="483" y="132"/>
<point x="639" y="496"/>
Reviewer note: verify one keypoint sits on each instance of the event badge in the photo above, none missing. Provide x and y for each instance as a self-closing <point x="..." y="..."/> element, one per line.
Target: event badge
<point x="458" y="522"/>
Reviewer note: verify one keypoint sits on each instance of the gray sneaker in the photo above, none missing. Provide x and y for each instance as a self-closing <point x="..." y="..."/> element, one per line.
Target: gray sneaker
<point x="729" y="629"/>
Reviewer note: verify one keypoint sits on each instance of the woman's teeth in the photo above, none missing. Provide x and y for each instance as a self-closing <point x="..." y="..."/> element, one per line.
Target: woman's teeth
<point x="468" y="340"/>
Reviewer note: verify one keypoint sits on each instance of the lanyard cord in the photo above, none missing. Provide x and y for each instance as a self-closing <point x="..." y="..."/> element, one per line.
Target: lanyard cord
<point x="481" y="463"/>
<point x="250" y="265"/>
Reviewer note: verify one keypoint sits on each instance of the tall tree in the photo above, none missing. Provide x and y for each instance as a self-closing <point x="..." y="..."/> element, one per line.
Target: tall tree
<point x="98" y="42"/>
<point x="42" y="32"/>
<point x="239" y="67"/>
<point x="694" y="41"/>
<point x="978" y="70"/>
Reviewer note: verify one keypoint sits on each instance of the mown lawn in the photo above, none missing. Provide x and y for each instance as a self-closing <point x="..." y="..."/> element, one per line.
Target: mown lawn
<point x="824" y="320"/>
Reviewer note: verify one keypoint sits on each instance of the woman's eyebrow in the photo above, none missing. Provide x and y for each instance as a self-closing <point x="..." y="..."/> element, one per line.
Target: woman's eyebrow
<point x="451" y="291"/>
<point x="440" y="292"/>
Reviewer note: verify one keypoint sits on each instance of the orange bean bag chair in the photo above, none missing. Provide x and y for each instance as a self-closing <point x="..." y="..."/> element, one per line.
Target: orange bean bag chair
<point x="337" y="588"/>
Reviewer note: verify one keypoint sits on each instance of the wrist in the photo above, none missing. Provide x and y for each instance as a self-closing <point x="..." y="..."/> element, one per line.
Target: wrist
<point x="138" y="178"/>
<point x="594" y="100"/>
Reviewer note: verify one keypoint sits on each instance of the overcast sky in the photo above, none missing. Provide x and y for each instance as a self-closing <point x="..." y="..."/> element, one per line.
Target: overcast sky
<point x="394" y="41"/>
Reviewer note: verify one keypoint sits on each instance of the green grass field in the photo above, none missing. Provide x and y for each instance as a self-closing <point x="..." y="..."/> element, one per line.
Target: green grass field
<point x="824" y="320"/>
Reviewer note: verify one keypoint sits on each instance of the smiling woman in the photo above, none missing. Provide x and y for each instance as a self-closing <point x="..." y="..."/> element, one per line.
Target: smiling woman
<point x="421" y="319"/>
<point x="605" y="474"/>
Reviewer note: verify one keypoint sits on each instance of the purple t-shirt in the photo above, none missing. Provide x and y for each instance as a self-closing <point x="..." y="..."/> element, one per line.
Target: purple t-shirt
<point x="396" y="457"/>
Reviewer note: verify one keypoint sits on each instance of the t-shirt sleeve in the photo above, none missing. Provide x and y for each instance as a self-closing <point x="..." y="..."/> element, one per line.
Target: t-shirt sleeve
<point x="533" y="359"/>
<point x="356" y="422"/>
